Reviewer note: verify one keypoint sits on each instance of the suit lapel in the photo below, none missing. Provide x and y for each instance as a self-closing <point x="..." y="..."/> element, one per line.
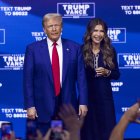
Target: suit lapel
<point x="46" y="58"/>
<point x="66" y="56"/>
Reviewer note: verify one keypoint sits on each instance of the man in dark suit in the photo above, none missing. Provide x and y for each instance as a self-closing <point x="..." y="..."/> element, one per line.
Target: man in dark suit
<point x="42" y="92"/>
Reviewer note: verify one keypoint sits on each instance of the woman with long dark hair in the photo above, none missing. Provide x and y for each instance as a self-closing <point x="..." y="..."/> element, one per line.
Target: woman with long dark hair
<point x="101" y="66"/>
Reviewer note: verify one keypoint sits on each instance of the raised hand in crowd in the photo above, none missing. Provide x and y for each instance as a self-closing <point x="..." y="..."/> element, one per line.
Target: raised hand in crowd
<point x="71" y="120"/>
<point x="65" y="135"/>
<point x="131" y="115"/>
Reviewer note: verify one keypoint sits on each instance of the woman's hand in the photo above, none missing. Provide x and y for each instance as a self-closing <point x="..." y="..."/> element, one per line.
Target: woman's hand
<point x="100" y="71"/>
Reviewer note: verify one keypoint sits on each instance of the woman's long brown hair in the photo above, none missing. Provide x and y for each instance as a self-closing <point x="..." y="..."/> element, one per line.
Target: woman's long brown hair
<point x="105" y="45"/>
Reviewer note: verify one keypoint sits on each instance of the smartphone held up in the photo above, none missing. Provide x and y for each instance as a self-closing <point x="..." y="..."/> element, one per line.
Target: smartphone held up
<point x="6" y="131"/>
<point x="57" y="128"/>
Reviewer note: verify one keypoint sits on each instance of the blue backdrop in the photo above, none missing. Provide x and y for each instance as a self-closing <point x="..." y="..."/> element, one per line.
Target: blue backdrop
<point x="20" y="24"/>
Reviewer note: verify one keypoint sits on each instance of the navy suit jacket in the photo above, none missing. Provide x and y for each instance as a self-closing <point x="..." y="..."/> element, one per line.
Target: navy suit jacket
<point x="38" y="79"/>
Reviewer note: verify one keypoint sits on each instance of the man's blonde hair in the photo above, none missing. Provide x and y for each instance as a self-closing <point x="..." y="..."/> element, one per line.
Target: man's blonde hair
<point x="51" y="15"/>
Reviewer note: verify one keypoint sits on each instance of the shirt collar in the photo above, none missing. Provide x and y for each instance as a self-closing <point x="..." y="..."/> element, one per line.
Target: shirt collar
<point x="59" y="42"/>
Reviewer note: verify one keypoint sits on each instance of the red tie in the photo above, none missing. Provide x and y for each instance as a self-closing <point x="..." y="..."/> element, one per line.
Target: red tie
<point x="56" y="69"/>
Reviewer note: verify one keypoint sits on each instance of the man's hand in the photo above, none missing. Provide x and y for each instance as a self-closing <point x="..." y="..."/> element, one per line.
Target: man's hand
<point x="83" y="110"/>
<point x="31" y="113"/>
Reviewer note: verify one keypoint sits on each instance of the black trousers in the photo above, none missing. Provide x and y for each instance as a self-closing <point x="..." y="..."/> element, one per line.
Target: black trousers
<point x="58" y="103"/>
<point x="44" y="126"/>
